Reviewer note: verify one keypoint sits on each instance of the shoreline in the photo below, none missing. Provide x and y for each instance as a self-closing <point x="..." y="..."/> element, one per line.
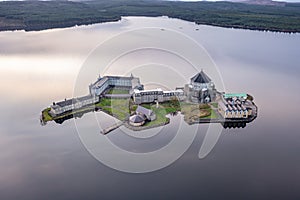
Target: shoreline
<point x="237" y="27"/>
<point x="45" y="15"/>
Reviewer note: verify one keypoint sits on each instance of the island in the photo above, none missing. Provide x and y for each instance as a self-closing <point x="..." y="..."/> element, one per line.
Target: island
<point x="125" y="98"/>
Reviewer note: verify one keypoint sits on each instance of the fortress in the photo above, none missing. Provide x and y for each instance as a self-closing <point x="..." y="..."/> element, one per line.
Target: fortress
<point x="200" y="90"/>
<point x="202" y="102"/>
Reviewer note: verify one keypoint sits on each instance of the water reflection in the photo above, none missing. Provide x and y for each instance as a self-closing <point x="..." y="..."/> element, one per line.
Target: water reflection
<point x="234" y="124"/>
<point x="225" y="124"/>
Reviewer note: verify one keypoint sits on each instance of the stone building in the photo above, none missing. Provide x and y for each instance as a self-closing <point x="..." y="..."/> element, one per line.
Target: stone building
<point x="200" y="89"/>
<point x="149" y="96"/>
<point x="72" y="104"/>
<point x="136" y="120"/>
<point x="141" y="115"/>
<point x="147" y="113"/>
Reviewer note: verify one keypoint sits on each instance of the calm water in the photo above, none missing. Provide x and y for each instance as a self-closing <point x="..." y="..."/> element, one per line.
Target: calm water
<point x="260" y="161"/>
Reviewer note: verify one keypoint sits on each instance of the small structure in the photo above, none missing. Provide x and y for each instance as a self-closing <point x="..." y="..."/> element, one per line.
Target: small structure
<point x="147" y="113"/>
<point x="136" y="120"/>
<point x="141" y="116"/>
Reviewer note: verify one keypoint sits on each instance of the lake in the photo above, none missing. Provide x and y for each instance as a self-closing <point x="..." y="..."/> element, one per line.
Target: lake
<point x="260" y="161"/>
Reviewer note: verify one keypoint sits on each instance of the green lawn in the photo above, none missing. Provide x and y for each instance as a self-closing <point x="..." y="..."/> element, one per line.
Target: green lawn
<point x="104" y="102"/>
<point x="161" y="112"/>
<point x="195" y="111"/>
<point x="123" y="108"/>
<point x="46" y="115"/>
<point x="119" y="108"/>
<point x="118" y="91"/>
<point x="214" y="104"/>
<point x="213" y="115"/>
<point x="160" y="116"/>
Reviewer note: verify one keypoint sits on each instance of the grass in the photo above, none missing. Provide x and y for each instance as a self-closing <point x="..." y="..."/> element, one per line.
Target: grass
<point x="118" y="91"/>
<point x="189" y="110"/>
<point x="213" y="115"/>
<point x="104" y="102"/>
<point x="123" y="108"/>
<point x="118" y="108"/>
<point x="147" y="105"/>
<point x="214" y="104"/>
<point x="46" y="116"/>
<point x="160" y="112"/>
<point x="161" y="118"/>
<point x="194" y="112"/>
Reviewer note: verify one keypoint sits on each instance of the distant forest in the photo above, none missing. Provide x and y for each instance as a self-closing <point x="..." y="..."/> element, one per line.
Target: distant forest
<point x="40" y="15"/>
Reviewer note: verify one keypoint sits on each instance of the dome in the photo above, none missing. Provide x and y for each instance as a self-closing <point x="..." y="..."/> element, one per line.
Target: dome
<point x="136" y="119"/>
<point x="201" y="77"/>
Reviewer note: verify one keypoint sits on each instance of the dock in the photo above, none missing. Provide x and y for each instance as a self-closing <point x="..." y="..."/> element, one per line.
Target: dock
<point x="111" y="128"/>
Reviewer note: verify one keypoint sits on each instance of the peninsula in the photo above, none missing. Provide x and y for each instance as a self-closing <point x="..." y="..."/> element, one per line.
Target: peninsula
<point x="41" y="15"/>
<point x="126" y="99"/>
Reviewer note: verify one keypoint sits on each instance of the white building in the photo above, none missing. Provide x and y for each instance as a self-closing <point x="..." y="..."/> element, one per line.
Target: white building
<point x="72" y="104"/>
<point x="149" y="96"/>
